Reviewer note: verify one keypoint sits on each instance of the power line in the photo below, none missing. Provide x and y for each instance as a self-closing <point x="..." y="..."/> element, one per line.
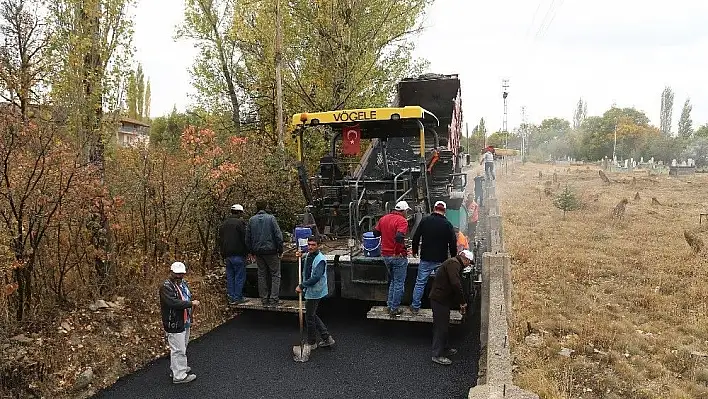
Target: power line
<point x="552" y="12"/>
<point x="545" y="18"/>
<point x="533" y="19"/>
<point x="560" y="4"/>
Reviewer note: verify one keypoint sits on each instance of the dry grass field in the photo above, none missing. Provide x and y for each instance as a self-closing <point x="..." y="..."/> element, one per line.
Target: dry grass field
<point x="607" y="307"/>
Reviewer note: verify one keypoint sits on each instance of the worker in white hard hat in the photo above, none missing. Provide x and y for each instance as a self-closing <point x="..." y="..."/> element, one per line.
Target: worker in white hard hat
<point x="446" y="293"/>
<point x="234" y="251"/>
<point x="438" y="238"/>
<point x="392" y="228"/>
<point x="176" y="307"/>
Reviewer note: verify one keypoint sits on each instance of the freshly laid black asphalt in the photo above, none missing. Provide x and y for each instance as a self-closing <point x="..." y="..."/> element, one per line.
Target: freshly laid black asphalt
<point x="251" y="357"/>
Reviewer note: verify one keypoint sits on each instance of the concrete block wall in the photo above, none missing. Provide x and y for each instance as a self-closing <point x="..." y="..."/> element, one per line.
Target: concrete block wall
<point x="496" y="379"/>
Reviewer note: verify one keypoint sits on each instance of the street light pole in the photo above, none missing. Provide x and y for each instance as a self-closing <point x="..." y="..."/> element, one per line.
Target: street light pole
<point x="614" y="147"/>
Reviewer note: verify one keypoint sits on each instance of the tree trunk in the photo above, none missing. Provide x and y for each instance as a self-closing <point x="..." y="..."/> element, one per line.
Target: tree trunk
<point x="278" y="77"/>
<point x="93" y="90"/>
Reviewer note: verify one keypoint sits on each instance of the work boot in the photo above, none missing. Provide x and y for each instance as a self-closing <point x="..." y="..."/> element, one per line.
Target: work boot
<point x="442" y="360"/>
<point x="186" y="371"/>
<point x="414" y="311"/>
<point x="396" y="312"/>
<point x="326" y="342"/>
<point x="275" y="302"/>
<point x="237" y="302"/>
<point x="265" y="301"/>
<point x="188" y="378"/>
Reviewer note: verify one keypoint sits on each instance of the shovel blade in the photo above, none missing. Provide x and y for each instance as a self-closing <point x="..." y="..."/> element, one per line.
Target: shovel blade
<point x="301" y="353"/>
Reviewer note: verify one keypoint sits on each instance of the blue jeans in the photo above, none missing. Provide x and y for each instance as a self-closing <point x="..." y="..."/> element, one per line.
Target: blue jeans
<point x="489" y="170"/>
<point x="424" y="269"/>
<point x="397" y="268"/>
<point x="235" y="277"/>
<point x="479" y="198"/>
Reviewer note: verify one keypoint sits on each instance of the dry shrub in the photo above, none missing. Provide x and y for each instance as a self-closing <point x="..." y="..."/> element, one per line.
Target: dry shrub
<point x="635" y="296"/>
<point x="163" y="205"/>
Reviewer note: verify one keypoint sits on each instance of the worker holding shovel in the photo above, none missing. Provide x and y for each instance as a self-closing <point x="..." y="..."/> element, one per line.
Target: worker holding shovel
<point x="313" y="284"/>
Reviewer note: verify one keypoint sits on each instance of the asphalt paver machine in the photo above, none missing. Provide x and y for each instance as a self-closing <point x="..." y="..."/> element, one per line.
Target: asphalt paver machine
<point x="412" y="153"/>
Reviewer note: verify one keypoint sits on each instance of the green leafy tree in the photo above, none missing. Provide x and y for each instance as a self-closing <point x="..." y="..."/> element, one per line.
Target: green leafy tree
<point x="702" y="131"/>
<point x="165" y="131"/>
<point x="581" y="112"/>
<point x="567" y="201"/>
<point x="482" y="131"/>
<point x="667" y="106"/>
<point x="685" y="124"/>
<point x="148" y="99"/>
<point x="634" y="134"/>
<point x="497" y="139"/>
<point x="698" y="151"/>
<point x="137" y="95"/>
<point x="139" y="92"/>
<point x="550" y="140"/>
<point x="211" y="24"/>
<point x="596" y="140"/>
<point x="336" y="55"/>
<point x="552" y="129"/>
<point x="131" y="96"/>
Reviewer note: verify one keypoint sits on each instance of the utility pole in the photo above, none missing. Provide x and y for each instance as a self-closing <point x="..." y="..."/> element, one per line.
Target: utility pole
<point x="524" y="133"/>
<point x="279" y="77"/>
<point x="467" y="133"/>
<point x="505" y="94"/>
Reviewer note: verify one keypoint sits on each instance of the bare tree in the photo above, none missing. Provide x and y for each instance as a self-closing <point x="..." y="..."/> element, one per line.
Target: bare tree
<point x="23" y="62"/>
<point x="37" y="172"/>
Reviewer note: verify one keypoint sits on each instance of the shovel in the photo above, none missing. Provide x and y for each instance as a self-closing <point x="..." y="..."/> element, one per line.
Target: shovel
<point x="301" y="353"/>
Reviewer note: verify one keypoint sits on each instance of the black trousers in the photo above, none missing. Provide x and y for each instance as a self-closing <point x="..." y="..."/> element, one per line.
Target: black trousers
<point x="441" y="324"/>
<point x="314" y="323"/>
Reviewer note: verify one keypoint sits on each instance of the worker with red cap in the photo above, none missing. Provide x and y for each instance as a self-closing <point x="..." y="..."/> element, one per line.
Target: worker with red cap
<point x="438" y="237"/>
<point x="392" y="228"/>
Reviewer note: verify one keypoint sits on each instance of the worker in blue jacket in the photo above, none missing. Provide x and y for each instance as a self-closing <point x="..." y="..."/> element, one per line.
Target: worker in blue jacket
<point x="314" y="287"/>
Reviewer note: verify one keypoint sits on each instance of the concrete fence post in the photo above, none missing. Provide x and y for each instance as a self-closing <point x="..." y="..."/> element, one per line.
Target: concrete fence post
<point x="496" y="377"/>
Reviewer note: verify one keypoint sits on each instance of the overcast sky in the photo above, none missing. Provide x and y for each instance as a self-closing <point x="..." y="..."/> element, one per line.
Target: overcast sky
<point x="552" y="52"/>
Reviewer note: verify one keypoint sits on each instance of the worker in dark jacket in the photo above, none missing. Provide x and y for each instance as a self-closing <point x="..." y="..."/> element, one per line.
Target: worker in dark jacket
<point x="438" y="238"/>
<point x="176" y="308"/>
<point x="478" y="188"/>
<point x="232" y="246"/>
<point x="265" y="240"/>
<point x="446" y="293"/>
<point x="392" y="228"/>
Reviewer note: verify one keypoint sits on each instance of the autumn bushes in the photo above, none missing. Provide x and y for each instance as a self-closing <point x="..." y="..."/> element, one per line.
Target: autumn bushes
<point x="162" y="204"/>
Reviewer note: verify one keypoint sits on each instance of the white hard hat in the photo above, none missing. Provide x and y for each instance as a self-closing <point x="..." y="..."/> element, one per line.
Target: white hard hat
<point x="179" y="268"/>
<point x="237" y="207"/>
<point x="440" y="204"/>
<point x="467" y="254"/>
<point x="402" y="206"/>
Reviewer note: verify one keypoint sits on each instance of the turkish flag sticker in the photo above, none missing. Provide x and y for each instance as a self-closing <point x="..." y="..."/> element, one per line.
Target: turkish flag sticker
<point x="351" y="140"/>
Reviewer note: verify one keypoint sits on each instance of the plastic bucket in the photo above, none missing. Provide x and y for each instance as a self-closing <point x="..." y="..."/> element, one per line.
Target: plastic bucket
<point x="301" y="236"/>
<point x="371" y="245"/>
